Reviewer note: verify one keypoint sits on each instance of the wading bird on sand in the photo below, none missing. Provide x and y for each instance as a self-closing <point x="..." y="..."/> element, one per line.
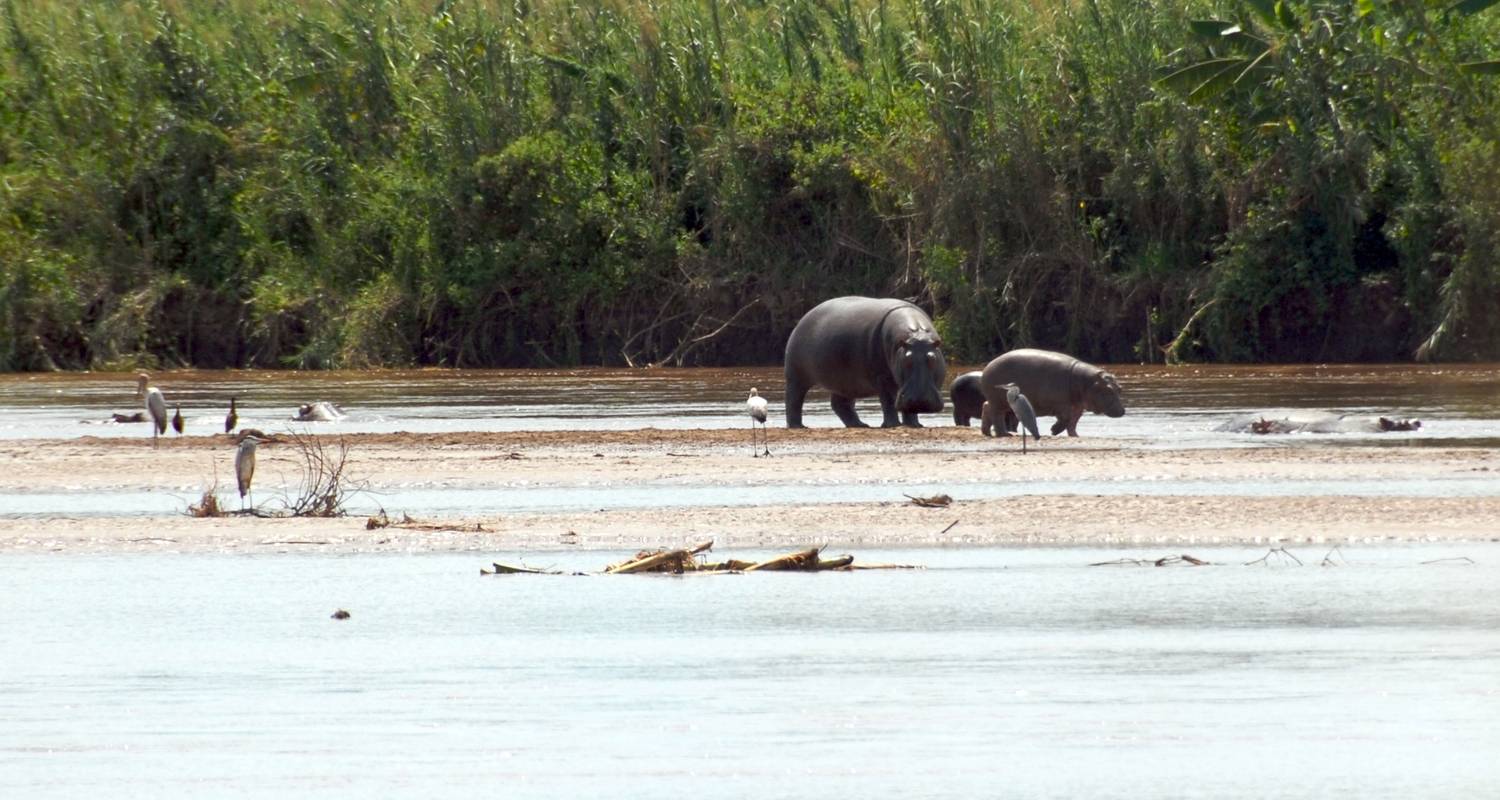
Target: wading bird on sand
<point x="1023" y="411"/>
<point x="156" y="405"/>
<point x="756" y="405"/>
<point x="232" y="418"/>
<point x="244" y="468"/>
<point x="177" y="420"/>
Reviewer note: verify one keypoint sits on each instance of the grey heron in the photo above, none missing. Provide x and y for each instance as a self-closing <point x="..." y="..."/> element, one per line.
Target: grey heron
<point x="1023" y="411"/>
<point x="156" y="405"/>
<point x="757" y="405"/>
<point x="244" y="468"/>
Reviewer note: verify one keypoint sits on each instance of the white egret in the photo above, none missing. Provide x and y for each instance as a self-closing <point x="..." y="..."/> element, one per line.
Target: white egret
<point x="244" y="468"/>
<point x="757" y="406"/>
<point x="1023" y="411"/>
<point x="156" y="405"/>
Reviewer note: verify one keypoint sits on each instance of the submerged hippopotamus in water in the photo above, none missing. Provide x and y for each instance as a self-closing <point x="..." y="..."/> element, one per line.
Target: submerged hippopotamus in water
<point x="321" y="411"/>
<point x="967" y="398"/>
<point x="1058" y="385"/>
<point x="865" y="347"/>
<point x="1317" y="422"/>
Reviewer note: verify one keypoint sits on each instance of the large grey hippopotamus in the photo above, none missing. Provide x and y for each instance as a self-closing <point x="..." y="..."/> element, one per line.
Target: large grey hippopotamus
<point x="967" y="398"/>
<point x="1057" y="384"/>
<point x="861" y="347"/>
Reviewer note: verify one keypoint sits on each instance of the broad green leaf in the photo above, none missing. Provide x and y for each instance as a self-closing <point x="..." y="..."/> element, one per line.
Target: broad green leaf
<point x="1471" y="6"/>
<point x="1245" y="78"/>
<point x="1491" y="67"/>
<point x="1191" y="77"/>
<point x="1218" y="83"/>
<point x="1209" y="28"/>
<point x="1244" y="42"/>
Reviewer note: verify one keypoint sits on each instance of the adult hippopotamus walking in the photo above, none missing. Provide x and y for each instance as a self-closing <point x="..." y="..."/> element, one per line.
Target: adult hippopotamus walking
<point x="1057" y="384"/>
<point x="861" y="347"/>
<point x="967" y="398"/>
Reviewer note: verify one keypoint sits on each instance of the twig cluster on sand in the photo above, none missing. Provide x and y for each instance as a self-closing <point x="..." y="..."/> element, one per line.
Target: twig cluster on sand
<point x="686" y="560"/>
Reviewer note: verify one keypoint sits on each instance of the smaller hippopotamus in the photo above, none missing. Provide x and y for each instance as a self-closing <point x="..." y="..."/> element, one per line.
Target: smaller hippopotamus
<point x="321" y="411"/>
<point x="967" y="397"/>
<point x="1058" y="385"/>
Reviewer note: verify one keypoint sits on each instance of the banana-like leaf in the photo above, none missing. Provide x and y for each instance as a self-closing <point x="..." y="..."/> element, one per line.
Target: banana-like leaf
<point x="1210" y="29"/>
<point x="1244" y="42"/>
<point x="1470" y="6"/>
<point x="1253" y="72"/>
<point x="1491" y="67"/>
<point x="1218" y="83"/>
<point x="1188" y="79"/>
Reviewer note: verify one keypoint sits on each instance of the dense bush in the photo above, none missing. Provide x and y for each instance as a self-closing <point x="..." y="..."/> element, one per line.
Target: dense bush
<point x="283" y="183"/>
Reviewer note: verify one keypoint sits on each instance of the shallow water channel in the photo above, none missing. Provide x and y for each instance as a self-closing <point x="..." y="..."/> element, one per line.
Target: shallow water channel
<point x="993" y="673"/>
<point x="1176" y="406"/>
<point x="1167" y="408"/>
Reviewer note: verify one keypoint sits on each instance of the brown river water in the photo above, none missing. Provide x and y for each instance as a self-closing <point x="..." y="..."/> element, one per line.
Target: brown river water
<point x="1167" y="406"/>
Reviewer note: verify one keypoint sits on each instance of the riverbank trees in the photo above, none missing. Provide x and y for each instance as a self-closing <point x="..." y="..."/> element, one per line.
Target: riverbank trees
<point x="284" y="183"/>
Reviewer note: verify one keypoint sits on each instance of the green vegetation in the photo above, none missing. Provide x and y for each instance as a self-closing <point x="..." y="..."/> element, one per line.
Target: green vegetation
<point x="341" y="184"/>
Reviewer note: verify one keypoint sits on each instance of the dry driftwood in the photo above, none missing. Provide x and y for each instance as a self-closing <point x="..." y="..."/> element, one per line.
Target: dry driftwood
<point x="935" y="501"/>
<point x="507" y="569"/>
<point x="799" y="560"/>
<point x="842" y="562"/>
<point x="661" y="561"/>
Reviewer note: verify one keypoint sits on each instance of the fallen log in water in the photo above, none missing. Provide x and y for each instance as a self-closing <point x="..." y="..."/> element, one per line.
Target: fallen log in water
<point x="800" y="560"/>
<point x="507" y="569"/>
<point x="661" y="561"/>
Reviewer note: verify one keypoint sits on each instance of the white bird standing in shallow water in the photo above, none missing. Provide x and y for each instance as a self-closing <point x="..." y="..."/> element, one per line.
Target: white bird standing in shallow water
<point x="156" y="405"/>
<point x="756" y="405"/>
<point x="1023" y="411"/>
<point x="244" y="468"/>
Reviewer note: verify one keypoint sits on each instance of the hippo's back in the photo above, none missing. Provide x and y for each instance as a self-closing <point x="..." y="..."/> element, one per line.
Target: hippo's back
<point x="1046" y="378"/>
<point x="837" y="332"/>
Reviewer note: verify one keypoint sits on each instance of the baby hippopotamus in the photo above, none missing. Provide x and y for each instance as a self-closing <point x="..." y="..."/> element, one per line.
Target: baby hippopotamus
<point x="1058" y="385"/>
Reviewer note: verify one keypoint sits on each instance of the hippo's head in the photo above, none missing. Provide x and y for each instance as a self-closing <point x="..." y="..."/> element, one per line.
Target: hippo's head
<point x="1103" y="396"/>
<point x="919" y="368"/>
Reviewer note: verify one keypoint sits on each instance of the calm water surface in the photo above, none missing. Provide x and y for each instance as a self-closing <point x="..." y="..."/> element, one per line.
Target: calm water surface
<point x="1171" y="407"/>
<point x="994" y="673"/>
<point x="1168" y="408"/>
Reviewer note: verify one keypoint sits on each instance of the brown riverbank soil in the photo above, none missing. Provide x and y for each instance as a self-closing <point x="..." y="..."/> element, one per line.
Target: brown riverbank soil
<point x="793" y="484"/>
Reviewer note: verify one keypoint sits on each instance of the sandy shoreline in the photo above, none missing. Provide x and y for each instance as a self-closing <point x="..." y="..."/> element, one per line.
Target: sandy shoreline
<point x="791" y="513"/>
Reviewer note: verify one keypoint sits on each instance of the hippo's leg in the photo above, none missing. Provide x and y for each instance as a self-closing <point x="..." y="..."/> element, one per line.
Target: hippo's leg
<point x="1077" y="414"/>
<point x="796" y="394"/>
<point x="844" y="407"/>
<point x="890" y="418"/>
<point x="1059" y="426"/>
<point x="909" y="419"/>
<point x="959" y="417"/>
<point x="986" y="419"/>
